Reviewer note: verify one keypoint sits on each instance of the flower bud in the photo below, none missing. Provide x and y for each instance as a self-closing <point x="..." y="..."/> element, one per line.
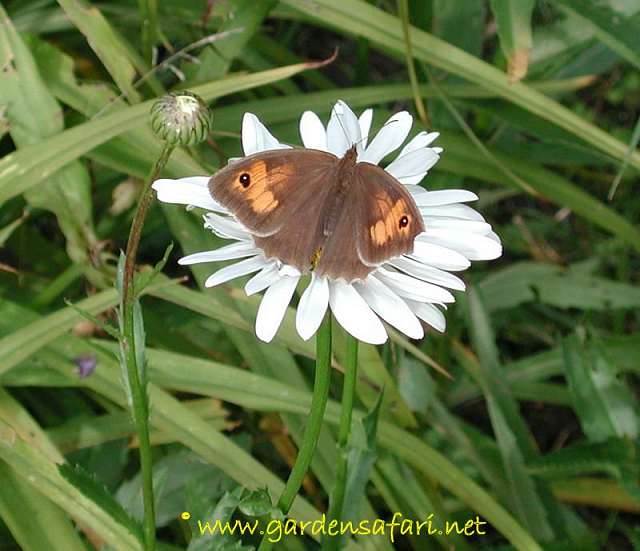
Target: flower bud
<point x="181" y="118"/>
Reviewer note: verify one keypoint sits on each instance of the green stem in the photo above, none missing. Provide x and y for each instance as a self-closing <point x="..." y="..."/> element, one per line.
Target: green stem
<point x="139" y="401"/>
<point x="346" y="414"/>
<point x="316" y="416"/>
<point x="403" y="9"/>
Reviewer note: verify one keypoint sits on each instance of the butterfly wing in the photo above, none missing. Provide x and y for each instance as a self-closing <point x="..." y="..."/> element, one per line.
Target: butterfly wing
<point x="279" y="197"/>
<point x="388" y="219"/>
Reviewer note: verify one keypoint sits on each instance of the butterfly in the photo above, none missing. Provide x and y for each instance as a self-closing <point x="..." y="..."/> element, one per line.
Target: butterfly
<point x="318" y="212"/>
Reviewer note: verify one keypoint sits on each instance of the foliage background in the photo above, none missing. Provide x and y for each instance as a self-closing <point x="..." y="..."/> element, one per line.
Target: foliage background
<point x="537" y="103"/>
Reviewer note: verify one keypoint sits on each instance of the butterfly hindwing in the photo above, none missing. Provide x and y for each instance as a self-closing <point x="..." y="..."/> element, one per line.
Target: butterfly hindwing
<point x="388" y="219"/>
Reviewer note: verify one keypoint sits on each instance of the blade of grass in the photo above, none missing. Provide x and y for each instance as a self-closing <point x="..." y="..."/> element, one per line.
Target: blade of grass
<point x="106" y="42"/>
<point x="24" y="169"/>
<point x="30" y="516"/>
<point x="515" y="442"/>
<point x="19" y="345"/>
<point x="360" y="18"/>
<point x="42" y="473"/>
<point x="513" y="18"/>
<point x="618" y="32"/>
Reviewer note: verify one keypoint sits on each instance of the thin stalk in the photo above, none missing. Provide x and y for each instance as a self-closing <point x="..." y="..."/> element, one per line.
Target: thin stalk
<point x="139" y="401"/>
<point x="316" y="416"/>
<point x="403" y="8"/>
<point x="346" y="415"/>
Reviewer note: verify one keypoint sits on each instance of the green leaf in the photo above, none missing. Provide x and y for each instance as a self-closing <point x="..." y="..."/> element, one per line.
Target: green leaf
<point x="174" y="477"/>
<point x="35" y="115"/>
<point x="385" y="31"/>
<point x="24" y="169"/>
<point x="605" y="406"/>
<point x="205" y="537"/>
<point x="19" y="345"/>
<point x="616" y="457"/>
<point x="143" y="279"/>
<point x="28" y="513"/>
<point x="98" y="494"/>
<point x="216" y="60"/>
<point x="524" y="282"/>
<point x="30" y="516"/>
<point x="515" y="442"/>
<point x="362" y="454"/>
<point x="43" y="474"/>
<point x="513" y="18"/>
<point x="107" y="44"/>
<point x="618" y="32"/>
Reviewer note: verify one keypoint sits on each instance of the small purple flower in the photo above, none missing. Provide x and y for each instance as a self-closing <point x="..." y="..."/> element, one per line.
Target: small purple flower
<point x="86" y="365"/>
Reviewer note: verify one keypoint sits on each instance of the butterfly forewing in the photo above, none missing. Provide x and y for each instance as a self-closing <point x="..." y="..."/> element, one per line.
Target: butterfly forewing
<point x="279" y="196"/>
<point x="267" y="190"/>
<point x="314" y="211"/>
<point x="388" y="219"/>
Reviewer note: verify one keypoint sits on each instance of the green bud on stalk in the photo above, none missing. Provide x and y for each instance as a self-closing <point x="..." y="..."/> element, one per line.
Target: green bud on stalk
<point x="181" y="118"/>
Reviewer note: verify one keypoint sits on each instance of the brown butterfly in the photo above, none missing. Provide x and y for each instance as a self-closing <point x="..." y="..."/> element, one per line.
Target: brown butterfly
<point x="317" y="212"/>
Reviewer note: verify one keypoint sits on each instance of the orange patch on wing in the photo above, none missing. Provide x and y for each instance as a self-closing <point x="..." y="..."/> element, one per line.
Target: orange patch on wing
<point x="264" y="203"/>
<point x="385" y="229"/>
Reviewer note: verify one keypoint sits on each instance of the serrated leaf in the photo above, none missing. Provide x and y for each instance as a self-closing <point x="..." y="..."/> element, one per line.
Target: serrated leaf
<point x="605" y="406"/>
<point x="141" y="280"/>
<point x="616" y="457"/>
<point x="103" y="325"/>
<point x="524" y="282"/>
<point x="205" y="535"/>
<point x="99" y="495"/>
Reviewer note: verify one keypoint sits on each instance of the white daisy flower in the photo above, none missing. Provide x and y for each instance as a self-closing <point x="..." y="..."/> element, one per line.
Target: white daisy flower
<point x="402" y="291"/>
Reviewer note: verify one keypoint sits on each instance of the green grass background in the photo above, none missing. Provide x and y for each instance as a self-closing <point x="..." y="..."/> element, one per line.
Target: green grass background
<point x="538" y="105"/>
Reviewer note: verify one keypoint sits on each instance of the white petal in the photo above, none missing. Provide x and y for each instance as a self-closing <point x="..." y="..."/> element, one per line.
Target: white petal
<point x="286" y="270"/>
<point x="256" y="138"/>
<point x="241" y="249"/>
<point x="263" y="279"/>
<point x="428" y="273"/>
<point x="390" y="138"/>
<point x="493" y="235"/>
<point x="312" y="131"/>
<point x="412" y="180"/>
<point x="413" y="163"/>
<point x="390" y="307"/>
<point x="233" y="271"/>
<point x="352" y="312"/>
<point x="187" y="191"/>
<point x="343" y="129"/>
<point x="274" y="306"/>
<point x="365" y="126"/>
<point x="414" y="289"/>
<point x="472" y="226"/>
<point x="452" y="211"/>
<point x="419" y="141"/>
<point x="429" y="314"/>
<point x="226" y="227"/>
<point x="313" y="306"/>
<point x="444" y="197"/>
<point x="440" y="257"/>
<point x="471" y="245"/>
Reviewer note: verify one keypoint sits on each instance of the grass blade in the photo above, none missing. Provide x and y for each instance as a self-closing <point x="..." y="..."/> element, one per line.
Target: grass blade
<point x="513" y="18"/>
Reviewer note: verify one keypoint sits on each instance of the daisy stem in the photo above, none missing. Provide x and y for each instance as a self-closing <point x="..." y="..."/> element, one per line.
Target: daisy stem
<point x="346" y="414"/>
<point x="139" y="402"/>
<point x="314" y="424"/>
